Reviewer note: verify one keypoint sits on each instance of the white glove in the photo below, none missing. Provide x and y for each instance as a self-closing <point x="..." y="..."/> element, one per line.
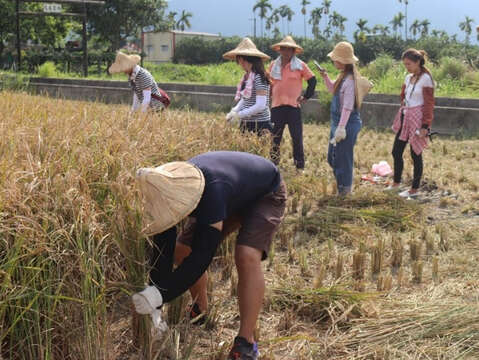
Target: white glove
<point x="232" y="117"/>
<point x="148" y="300"/>
<point x="159" y="325"/>
<point x="340" y="134"/>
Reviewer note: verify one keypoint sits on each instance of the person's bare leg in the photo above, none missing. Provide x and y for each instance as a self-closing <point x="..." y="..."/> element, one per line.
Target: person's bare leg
<point x="198" y="290"/>
<point x="250" y="288"/>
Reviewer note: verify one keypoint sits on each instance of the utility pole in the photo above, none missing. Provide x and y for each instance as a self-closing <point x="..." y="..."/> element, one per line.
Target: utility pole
<point x="19" y="50"/>
<point x="405" y="5"/>
<point x="84" y="38"/>
<point x="254" y="25"/>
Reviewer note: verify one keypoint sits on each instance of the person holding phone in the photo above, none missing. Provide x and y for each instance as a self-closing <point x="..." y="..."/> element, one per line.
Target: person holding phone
<point x="287" y="74"/>
<point x="348" y="92"/>
<point x="413" y="120"/>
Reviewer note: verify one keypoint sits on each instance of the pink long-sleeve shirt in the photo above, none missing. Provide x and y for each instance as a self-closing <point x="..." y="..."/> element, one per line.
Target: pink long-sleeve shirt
<point x="346" y="96"/>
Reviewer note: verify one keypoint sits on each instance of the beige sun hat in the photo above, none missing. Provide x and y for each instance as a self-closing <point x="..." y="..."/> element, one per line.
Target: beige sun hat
<point x="288" y="41"/>
<point x="246" y="48"/>
<point x="344" y="53"/>
<point x="171" y="192"/>
<point x="124" y="62"/>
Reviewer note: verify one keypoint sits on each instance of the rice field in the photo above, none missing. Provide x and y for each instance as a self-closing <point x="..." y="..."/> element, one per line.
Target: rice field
<point x="369" y="276"/>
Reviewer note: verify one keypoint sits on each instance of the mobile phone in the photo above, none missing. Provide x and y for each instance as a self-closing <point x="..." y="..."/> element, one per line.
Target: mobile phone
<point x="320" y="68"/>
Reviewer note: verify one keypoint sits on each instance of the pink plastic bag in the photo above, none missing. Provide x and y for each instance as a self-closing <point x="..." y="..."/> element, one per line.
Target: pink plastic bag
<point x="382" y="169"/>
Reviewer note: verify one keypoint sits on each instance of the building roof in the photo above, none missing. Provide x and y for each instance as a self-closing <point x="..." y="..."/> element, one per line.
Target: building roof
<point x="194" y="33"/>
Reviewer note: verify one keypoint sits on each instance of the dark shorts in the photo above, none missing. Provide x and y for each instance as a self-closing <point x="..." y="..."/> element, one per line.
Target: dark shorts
<point x="257" y="225"/>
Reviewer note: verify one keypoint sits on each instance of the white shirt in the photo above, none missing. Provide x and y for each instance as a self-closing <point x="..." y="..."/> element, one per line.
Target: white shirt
<point x="413" y="92"/>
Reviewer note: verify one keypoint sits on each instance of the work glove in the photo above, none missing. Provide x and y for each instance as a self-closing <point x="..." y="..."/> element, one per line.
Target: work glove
<point x="233" y="118"/>
<point x="339" y="134"/>
<point x="148" y="300"/>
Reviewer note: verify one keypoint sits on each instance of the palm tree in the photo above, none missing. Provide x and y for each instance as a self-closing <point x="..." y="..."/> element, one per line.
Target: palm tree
<point x="286" y="13"/>
<point x="263" y="6"/>
<point x="406" y="2"/>
<point x="184" y="21"/>
<point x="383" y="30"/>
<point x="362" y="29"/>
<point x="304" y="3"/>
<point x="415" y="27"/>
<point x="326" y="7"/>
<point x="314" y="19"/>
<point x="273" y="20"/>
<point x="396" y="22"/>
<point x="466" y="27"/>
<point x="171" y="19"/>
<point x="425" y="27"/>
<point x="336" y="20"/>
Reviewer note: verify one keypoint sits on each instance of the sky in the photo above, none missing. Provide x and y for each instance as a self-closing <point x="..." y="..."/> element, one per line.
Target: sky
<point x="234" y="17"/>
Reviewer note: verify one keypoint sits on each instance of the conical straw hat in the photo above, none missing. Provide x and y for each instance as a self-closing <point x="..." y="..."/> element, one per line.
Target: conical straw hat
<point x="344" y="53"/>
<point x="171" y="192"/>
<point x="124" y="62"/>
<point x="363" y="85"/>
<point x="246" y="48"/>
<point x="288" y="41"/>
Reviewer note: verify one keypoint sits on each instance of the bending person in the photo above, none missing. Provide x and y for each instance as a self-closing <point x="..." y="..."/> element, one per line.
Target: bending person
<point x="219" y="191"/>
<point x="146" y="94"/>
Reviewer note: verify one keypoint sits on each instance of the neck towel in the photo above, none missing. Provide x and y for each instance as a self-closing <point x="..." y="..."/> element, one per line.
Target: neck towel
<point x="295" y="63"/>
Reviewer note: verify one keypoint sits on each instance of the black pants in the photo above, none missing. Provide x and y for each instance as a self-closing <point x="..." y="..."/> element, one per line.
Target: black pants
<point x="258" y="127"/>
<point x="398" y="150"/>
<point x="291" y="116"/>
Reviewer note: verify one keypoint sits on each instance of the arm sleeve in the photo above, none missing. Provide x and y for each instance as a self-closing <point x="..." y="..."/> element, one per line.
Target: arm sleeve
<point x="136" y="103"/>
<point x="347" y="94"/>
<point x="328" y="82"/>
<point x="345" y="113"/>
<point x="205" y="242"/>
<point x="238" y="105"/>
<point x="428" y="112"/>
<point x="146" y="100"/>
<point x="258" y="106"/>
<point x="311" y="86"/>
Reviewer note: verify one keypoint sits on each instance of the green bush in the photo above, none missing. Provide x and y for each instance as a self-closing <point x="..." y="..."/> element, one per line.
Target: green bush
<point x="47" y="69"/>
<point x="451" y="68"/>
<point x="379" y="67"/>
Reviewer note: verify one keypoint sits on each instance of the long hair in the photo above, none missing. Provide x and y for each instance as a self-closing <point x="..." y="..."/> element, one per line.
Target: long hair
<point x="417" y="56"/>
<point x="258" y="67"/>
<point x="348" y="69"/>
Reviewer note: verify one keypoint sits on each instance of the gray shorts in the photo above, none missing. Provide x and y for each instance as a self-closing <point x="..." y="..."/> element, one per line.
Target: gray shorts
<point x="257" y="225"/>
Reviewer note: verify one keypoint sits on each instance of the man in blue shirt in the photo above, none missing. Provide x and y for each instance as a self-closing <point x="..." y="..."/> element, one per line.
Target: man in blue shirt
<point x="214" y="189"/>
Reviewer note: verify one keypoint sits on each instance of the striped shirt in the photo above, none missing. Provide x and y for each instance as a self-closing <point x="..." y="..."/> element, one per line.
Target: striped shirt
<point x="140" y="80"/>
<point x="264" y="115"/>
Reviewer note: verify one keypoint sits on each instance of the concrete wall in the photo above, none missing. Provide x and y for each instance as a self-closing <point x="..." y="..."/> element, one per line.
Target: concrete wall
<point x="451" y="116"/>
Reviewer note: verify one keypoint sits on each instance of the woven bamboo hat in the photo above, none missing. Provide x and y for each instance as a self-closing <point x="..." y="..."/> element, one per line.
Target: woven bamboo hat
<point x="123" y="62"/>
<point x="288" y="41"/>
<point x="171" y="192"/>
<point x="344" y="53"/>
<point x="362" y="87"/>
<point x="246" y="48"/>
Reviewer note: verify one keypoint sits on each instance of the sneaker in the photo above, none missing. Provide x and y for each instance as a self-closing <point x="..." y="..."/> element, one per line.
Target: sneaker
<point x="393" y="189"/>
<point x="196" y="316"/>
<point x="408" y="195"/>
<point x="243" y="350"/>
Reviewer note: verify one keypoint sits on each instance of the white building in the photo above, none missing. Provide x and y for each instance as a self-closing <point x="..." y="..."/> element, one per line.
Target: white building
<point x="160" y="46"/>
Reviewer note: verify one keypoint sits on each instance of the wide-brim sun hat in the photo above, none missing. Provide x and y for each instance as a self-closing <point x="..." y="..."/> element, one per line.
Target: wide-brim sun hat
<point x="171" y="192"/>
<point x="288" y="41"/>
<point x="344" y="53"/>
<point x="245" y="48"/>
<point x="124" y="62"/>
